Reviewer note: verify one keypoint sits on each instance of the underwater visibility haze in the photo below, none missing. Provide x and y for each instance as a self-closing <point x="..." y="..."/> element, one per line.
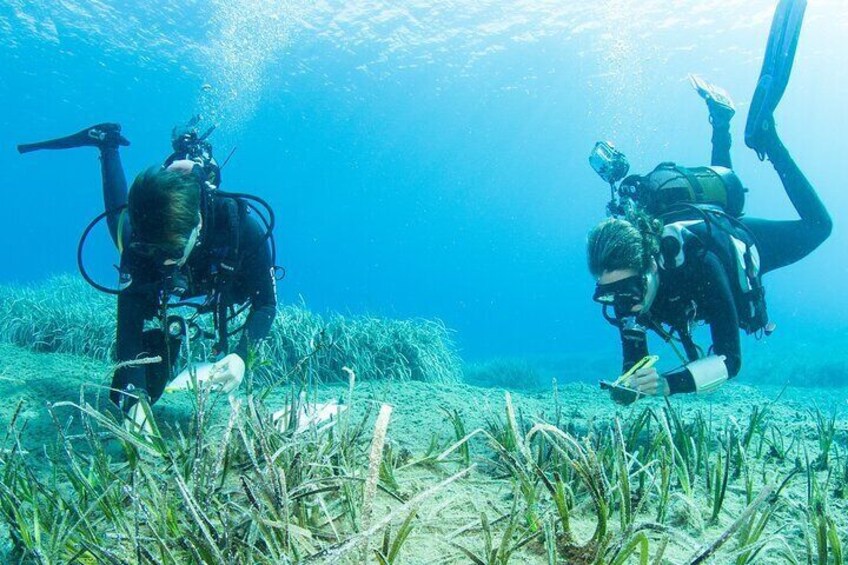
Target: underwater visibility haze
<point x="424" y="159"/>
<point x="427" y="162"/>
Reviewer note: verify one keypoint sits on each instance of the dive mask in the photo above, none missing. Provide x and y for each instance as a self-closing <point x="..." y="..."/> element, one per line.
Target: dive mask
<point x="626" y="294"/>
<point x="163" y="256"/>
<point x="623" y="295"/>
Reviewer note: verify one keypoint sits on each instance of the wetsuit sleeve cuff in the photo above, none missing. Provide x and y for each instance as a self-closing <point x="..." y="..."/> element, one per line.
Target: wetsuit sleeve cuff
<point x="703" y="375"/>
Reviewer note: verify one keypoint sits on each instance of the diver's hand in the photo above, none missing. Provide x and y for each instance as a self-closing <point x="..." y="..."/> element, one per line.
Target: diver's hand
<point x="226" y="375"/>
<point x="649" y="382"/>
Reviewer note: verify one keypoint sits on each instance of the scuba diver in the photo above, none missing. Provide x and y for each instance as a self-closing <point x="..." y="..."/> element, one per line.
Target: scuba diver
<point x="677" y="249"/>
<point x="180" y="239"/>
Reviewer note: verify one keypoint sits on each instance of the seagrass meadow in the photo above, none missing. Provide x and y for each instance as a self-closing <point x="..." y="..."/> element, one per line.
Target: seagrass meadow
<point x="421" y="468"/>
<point x="427" y="176"/>
<point x="65" y="315"/>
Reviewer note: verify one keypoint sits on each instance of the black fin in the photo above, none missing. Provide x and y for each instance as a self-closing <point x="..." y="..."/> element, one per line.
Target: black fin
<point x="777" y="66"/>
<point x="100" y="135"/>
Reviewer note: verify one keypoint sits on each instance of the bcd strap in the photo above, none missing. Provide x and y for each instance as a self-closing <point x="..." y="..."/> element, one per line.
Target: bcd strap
<point x="228" y="213"/>
<point x="232" y="210"/>
<point x="693" y="181"/>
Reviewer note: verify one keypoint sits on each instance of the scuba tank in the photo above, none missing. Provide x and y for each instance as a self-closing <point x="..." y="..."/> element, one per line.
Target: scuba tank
<point x="670" y="186"/>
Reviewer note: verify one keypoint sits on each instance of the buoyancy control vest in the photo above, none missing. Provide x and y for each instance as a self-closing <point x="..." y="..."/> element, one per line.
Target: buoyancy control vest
<point x="700" y="209"/>
<point x="694" y="230"/>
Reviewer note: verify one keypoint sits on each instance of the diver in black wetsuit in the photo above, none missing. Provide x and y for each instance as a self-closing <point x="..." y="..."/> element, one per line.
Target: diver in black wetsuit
<point x="678" y="249"/>
<point x="178" y="236"/>
<point x="693" y="267"/>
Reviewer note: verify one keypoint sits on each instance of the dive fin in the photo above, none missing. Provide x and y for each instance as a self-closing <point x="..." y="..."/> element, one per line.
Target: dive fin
<point x="99" y="135"/>
<point x="717" y="99"/>
<point x="777" y="66"/>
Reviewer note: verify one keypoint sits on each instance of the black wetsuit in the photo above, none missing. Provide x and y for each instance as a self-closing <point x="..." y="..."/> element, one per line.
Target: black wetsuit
<point x="230" y="236"/>
<point x="701" y="290"/>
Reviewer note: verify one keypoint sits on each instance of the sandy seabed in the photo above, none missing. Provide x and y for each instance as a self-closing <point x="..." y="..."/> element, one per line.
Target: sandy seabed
<point x="452" y="517"/>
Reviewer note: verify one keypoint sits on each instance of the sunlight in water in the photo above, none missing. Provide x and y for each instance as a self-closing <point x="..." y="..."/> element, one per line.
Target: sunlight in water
<point x="231" y="47"/>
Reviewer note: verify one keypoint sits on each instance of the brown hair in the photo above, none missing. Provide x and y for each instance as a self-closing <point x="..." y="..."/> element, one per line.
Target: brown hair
<point x="616" y="244"/>
<point x="164" y="207"/>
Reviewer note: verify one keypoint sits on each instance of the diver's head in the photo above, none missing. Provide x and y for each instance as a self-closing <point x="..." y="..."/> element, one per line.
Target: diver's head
<point x="621" y="259"/>
<point x="188" y="144"/>
<point x="164" y="211"/>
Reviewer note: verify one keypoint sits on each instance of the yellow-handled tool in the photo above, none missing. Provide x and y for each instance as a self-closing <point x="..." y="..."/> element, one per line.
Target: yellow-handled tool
<point x="645" y="362"/>
<point x="624" y="394"/>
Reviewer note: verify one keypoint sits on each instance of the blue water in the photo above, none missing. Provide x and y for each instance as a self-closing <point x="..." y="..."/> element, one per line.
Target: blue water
<point x="425" y="159"/>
